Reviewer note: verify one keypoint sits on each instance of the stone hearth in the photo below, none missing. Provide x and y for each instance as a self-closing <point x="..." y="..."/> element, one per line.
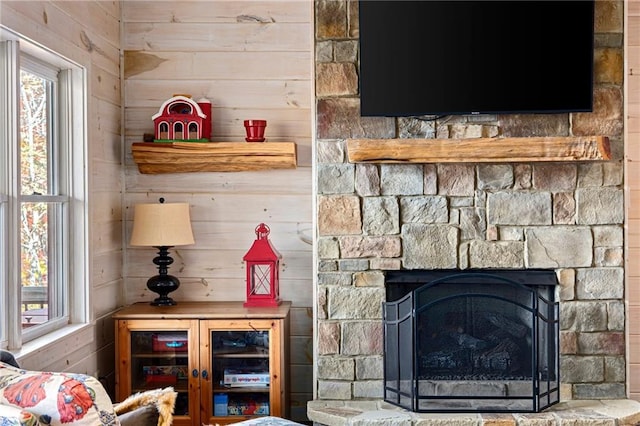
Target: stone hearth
<point x="613" y="412"/>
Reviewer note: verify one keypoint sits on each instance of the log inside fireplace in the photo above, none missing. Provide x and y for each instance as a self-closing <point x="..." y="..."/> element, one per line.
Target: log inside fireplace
<point x="471" y="340"/>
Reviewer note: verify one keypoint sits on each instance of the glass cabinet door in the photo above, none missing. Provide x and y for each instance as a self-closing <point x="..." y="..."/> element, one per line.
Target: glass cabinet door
<point x="160" y="359"/>
<point x="155" y="354"/>
<point x="240" y="369"/>
<point x="240" y="365"/>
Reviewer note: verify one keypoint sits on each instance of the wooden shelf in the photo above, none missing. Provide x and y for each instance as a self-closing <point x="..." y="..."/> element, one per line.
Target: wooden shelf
<point x="479" y="150"/>
<point x="185" y="157"/>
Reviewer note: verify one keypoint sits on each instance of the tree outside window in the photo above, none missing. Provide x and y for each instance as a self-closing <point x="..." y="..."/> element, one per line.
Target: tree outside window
<point x="35" y="94"/>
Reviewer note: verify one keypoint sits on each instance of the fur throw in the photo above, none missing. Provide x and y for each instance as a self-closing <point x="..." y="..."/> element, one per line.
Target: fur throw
<point x="163" y="399"/>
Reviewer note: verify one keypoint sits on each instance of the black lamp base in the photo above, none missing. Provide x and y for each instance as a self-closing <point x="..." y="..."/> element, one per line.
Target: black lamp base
<point x="163" y="283"/>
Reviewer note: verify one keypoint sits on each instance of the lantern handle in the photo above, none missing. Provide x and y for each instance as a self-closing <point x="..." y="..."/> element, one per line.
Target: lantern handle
<point x="262" y="231"/>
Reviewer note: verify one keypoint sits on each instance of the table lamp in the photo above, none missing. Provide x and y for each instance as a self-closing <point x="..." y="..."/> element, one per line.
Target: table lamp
<point x="162" y="226"/>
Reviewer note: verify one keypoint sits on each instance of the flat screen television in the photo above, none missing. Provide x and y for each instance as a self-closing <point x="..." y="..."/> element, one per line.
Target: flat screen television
<point x="433" y="57"/>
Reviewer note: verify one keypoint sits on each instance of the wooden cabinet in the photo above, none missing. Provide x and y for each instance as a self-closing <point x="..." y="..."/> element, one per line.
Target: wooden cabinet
<point x="227" y="362"/>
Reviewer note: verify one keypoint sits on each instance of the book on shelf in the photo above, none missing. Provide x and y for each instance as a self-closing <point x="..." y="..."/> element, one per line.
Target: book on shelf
<point x="239" y="378"/>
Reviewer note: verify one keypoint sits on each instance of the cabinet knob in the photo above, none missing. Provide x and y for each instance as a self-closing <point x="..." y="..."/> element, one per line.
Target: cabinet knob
<point x="205" y="374"/>
<point x="194" y="373"/>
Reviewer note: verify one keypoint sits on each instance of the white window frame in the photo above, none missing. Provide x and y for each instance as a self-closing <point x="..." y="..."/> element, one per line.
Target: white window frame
<point x="71" y="263"/>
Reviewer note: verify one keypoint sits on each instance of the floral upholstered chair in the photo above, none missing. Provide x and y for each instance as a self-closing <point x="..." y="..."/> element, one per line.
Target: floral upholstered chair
<point x="55" y="398"/>
<point x="32" y="398"/>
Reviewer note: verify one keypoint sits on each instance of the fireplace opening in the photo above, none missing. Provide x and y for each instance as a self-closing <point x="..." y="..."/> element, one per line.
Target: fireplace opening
<point x="471" y="340"/>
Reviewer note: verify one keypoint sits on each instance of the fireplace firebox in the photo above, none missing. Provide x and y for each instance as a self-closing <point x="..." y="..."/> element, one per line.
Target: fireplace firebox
<point x="471" y="340"/>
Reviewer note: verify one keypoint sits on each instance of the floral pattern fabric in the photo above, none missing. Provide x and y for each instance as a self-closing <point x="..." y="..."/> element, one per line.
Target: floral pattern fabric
<point x="13" y="416"/>
<point x="56" y="399"/>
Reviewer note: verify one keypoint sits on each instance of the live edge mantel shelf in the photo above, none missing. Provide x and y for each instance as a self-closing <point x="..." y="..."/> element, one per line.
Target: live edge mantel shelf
<point x="183" y="157"/>
<point x="479" y="150"/>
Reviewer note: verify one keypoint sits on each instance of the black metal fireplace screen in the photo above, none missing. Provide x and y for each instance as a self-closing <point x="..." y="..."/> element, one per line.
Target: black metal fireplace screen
<point x="471" y="341"/>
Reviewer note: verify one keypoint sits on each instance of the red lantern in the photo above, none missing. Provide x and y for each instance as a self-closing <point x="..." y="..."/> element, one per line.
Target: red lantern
<point x="263" y="270"/>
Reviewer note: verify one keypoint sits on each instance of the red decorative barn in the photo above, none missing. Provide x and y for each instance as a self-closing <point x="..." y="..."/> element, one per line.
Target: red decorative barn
<point x="180" y="118"/>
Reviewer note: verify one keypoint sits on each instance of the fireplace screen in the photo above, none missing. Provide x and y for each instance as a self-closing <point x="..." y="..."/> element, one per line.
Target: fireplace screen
<point x="462" y="341"/>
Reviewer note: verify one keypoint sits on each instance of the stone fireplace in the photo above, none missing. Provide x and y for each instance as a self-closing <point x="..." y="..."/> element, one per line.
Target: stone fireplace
<point x="377" y="218"/>
<point x="372" y="218"/>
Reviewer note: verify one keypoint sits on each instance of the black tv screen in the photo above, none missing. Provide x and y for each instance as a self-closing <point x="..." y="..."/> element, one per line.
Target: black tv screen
<point x="475" y="57"/>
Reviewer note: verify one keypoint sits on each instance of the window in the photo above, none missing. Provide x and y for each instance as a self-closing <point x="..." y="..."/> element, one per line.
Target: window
<point x="42" y="191"/>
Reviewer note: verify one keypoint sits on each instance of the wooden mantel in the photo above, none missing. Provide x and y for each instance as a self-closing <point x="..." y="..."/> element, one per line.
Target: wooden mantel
<point x="185" y="157"/>
<point x="479" y="150"/>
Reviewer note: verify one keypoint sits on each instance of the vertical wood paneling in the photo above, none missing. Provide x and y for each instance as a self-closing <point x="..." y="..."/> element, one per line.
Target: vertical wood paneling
<point x="251" y="59"/>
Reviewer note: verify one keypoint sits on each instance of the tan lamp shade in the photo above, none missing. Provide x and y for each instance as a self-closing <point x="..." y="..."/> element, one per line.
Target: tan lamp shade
<point x="160" y="224"/>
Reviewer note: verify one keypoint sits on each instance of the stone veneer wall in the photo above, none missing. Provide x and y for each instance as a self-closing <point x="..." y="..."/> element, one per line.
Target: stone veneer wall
<point x="372" y="218"/>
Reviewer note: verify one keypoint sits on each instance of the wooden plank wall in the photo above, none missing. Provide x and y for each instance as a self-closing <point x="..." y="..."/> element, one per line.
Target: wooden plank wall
<point x="87" y="33"/>
<point x="632" y="185"/>
<point x="251" y="59"/>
